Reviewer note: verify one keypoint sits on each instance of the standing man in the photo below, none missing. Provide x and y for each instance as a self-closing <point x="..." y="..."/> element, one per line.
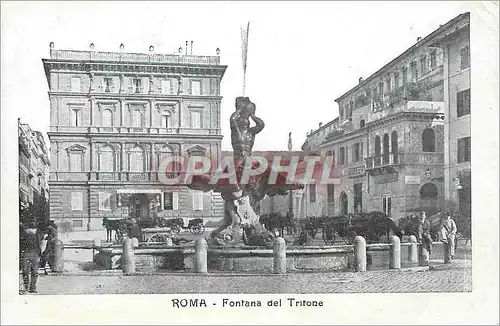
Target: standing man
<point x="30" y="244"/>
<point x="424" y="232"/>
<point x="449" y="230"/>
<point x="48" y="255"/>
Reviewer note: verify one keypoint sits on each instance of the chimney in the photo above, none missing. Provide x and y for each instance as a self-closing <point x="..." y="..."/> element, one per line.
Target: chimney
<point x="191" y="47"/>
<point x="320" y="124"/>
<point x="418" y="39"/>
<point x="187" y="47"/>
<point x="360" y="80"/>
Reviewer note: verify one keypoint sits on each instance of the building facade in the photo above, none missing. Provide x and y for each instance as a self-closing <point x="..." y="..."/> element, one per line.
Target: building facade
<point x="390" y="137"/>
<point x="33" y="174"/>
<point x="457" y="127"/>
<point x="115" y="116"/>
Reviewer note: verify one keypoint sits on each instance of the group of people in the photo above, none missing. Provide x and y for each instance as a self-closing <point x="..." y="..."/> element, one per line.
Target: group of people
<point x="447" y="232"/>
<point x="37" y="247"/>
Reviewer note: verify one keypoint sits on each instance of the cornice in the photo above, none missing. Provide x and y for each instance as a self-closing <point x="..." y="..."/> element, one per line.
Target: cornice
<point x="135" y="96"/>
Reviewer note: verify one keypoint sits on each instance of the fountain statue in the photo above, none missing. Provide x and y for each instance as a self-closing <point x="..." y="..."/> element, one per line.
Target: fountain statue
<point x="240" y="222"/>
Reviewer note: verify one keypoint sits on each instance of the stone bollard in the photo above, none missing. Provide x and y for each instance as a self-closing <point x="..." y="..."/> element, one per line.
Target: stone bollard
<point x="58" y="256"/>
<point x="97" y="244"/>
<point x="200" y="247"/>
<point x="279" y="256"/>
<point x="395" y="253"/>
<point x="360" y="254"/>
<point x="423" y="255"/>
<point x="413" y="250"/>
<point x="447" y="253"/>
<point x="128" y="259"/>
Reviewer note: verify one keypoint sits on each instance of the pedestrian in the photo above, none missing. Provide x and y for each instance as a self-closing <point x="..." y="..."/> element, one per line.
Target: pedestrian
<point x="449" y="231"/>
<point x="48" y="254"/>
<point x="424" y="232"/>
<point x="31" y="238"/>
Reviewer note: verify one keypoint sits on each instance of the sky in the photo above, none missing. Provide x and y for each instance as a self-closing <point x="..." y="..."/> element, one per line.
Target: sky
<point x="301" y="55"/>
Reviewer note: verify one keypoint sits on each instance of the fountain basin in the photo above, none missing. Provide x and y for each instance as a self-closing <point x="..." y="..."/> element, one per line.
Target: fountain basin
<point x="231" y="259"/>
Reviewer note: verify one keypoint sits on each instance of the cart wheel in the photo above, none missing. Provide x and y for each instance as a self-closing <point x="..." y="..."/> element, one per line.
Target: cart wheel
<point x="119" y="235"/>
<point x="328" y="235"/>
<point x="155" y="238"/>
<point x="197" y="229"/>
<point x="176" y="229"/>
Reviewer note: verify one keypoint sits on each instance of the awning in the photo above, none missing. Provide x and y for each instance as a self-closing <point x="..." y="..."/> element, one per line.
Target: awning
<point x="138" y="191"/>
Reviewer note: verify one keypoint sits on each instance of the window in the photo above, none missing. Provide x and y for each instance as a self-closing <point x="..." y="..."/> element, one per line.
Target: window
<point x="76" y="201"/>
<point x="137" y="119"/>
<point x="386" y="205"/>
<point x="342" y="156"/>
<point x="423" y="65"/>
<point x="106" y="160"/>
<point x="195" y="119"/>
<point x="198" y="200"/>
<point x="414" y="75"/>
<point x="405" y="76"/>
<point x="166" y="86"/>
<point x="377" y="146"/>
<point x="195" y="87"/>
<point x="388" y="85"/>
<point x="75" y="161"/>
<point x="464" y="149"/>
<point x="76" y="117"/>
<point x="312" y="193"/>
<point x="358" y="198"/>
<point x="344" y="204"/>
<point x="355" y="152"/>
<point x="166" y="120"/>
<point x="137" y="85"/>
<point x="433" y="60"/>
<point x="136" y="160"/>
<point x="168" y="201"/>
<point x="428" y="140"/>
<point x="464" y="58"/>
<point x="463" y="103"/>
<point x="381" y="88"/>
<point x="394" y="146"/>
<point x="76" y="86"/>
<point x="108" y="82"/>
<point x="386" y="149"/>
<point x="104" y="201"/>
<point x="107" y="118"/>
<point x="396" y="80"/>
<point x="362" y="123"/>
<point x="77" y="223"/>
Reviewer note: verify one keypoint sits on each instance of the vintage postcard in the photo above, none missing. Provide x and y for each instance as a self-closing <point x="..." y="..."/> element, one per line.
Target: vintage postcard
<point x="249" y="163"/>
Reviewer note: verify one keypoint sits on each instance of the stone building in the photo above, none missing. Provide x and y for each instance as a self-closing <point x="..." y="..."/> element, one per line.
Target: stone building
<point x="114" y="117"/>
<point x="457" y="155"/>
<point x="389" y="139"/>
<point x="33" y="173"/>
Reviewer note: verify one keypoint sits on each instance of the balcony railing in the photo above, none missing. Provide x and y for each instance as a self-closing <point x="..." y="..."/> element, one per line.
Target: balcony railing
<point x="134" y="57"/>
<point x="137" y="130"/>
<point x="404" y="158"/>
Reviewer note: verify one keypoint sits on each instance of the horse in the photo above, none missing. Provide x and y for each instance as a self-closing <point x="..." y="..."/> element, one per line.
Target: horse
<point x="373" y="225"/>
<point x="111" y="225"/>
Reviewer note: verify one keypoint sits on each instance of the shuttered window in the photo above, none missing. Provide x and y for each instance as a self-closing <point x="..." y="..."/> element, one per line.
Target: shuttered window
<point x="166" y="86"/>
<point x="312" y="193"/>
<point x="76" y="85"/>
<point x="195" y="87"/>
<point x="104" y="201"/>
<point x="198" y="200"/>
<point x="75" y="161"/>
<point x="195" y="119"/>
<point x="386" y="205"/>
<point x="107" y="118"/>
<point x="464" y="58"/>
<point x="463" y="103"/>
<point x="170" y="201"/>
<point x="76" y="200"/>
<point x="464" y="149"/>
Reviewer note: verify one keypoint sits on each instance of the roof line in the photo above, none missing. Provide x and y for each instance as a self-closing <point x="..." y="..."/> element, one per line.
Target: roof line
<point x="414" y="46"/>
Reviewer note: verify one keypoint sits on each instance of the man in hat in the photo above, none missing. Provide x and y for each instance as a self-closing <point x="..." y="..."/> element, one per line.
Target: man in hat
<point x="424" y="232"/>
<point x="449" y="230"/>
<point x="30" y="238"/>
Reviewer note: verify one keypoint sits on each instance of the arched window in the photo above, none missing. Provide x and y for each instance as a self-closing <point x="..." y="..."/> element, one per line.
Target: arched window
<point x="377" y="150"/>
<point x="428" y="140"/>
<point x="429" y="191"/>
<point x="386" y="148"/>
<point x="107" y="159"/>
<point x="394" y="145"/>
<point x="362" y="123"/>
<point x="136" y="159"/>
<point x="343" y="203"/>
<point x="107" y="118"/>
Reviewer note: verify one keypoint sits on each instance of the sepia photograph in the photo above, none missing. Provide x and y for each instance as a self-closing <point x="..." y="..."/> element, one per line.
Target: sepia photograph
<point x="249" y="159"/>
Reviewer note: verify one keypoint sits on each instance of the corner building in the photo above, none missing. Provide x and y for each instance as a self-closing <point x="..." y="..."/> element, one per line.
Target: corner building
<point x="114" y="117"/>
<point x="391" y="136"/>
